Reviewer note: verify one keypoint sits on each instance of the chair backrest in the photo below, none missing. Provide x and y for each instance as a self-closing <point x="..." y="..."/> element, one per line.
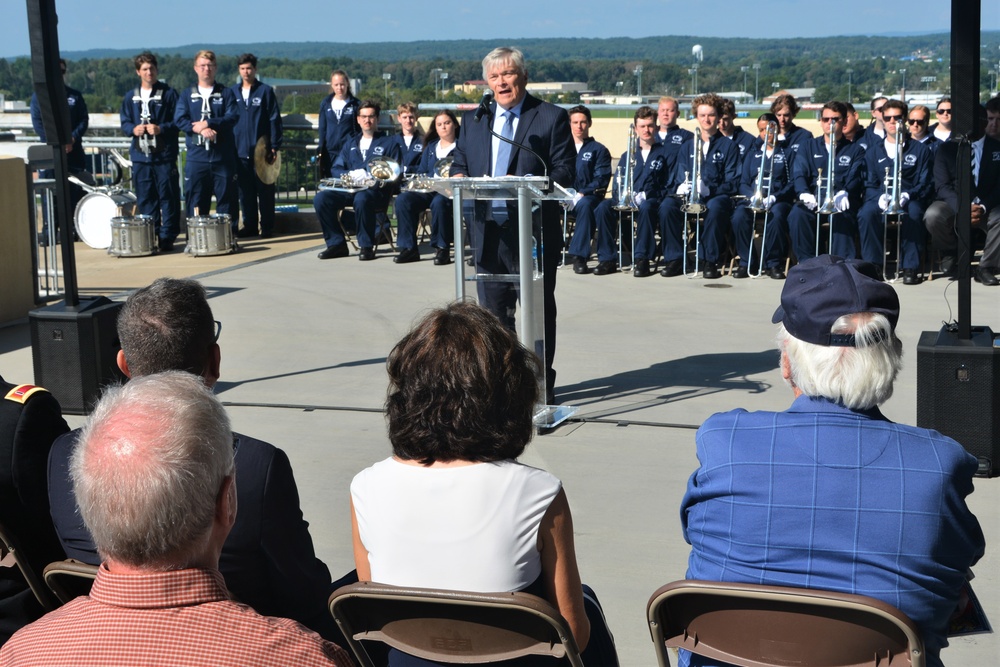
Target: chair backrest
<point x="69" y="579"/>
<point x="451" y="626"/>
<point x="759" y="626"/>
<point x="13" y="549"/>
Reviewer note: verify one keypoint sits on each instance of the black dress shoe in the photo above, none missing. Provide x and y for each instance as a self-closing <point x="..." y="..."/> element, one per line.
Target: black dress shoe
<point x="367" y="254"/>
<point x="710" y="271"/>
<point x="741" y="273"/>
<point x="911" y="277"/>
<point x="606" y="268"/>
<point x="641" y="268"/>
<point x="986" y="276"/>
<point x="673" y="268"/>
<point x="407" y="255"/>
<point x="165" y="245"/>
<point x="267" y="235"/>
<point x="776" y="273"/>
<point x="442" y="257"/>
<point x="580" y="266"/>
<point x="247" y="233"/>
<point x="334" y="251"/>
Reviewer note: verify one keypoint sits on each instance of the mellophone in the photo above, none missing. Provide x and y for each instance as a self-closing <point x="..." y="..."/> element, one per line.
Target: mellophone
<point x="210" y="235"/>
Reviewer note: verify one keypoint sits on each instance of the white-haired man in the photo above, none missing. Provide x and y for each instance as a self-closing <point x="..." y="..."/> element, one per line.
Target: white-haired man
<point x="154" y="476"/>
<point x="830" y="494"/>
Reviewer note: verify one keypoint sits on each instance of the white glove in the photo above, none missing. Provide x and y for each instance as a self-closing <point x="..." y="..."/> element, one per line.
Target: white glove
<point x="904" y="198"/>
<point x="357" y="174"/>
<point x="841" y="201"/>
<point x="883" y="201"/>
<point x="639" y="198"/>
<point x="769" y="202"/>
<point x="684" y="188"/>
<point x="809" y="200"/>
<point x="571" y="204"/>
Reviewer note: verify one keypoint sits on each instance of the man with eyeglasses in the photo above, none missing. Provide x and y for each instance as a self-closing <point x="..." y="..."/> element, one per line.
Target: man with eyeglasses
<point x="268" y="560"/>
<point x="351" y="164"/>
<point x="916" y="122"/>
<point x="913" y="193"/>
<point x="207" y="112"/>
<point x="812" y="158"/>
<point x="942" y="128"/>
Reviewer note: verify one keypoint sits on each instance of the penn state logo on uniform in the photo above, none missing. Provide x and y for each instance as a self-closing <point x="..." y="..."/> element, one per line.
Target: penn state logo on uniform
<point x="585" y="156"/>
<point x="378" y="150"/>
<point x="418" y="148"/>
<point x="255" y="101"/>
<point x="779" y="158"/>
<point x="844" y="160"/>
<point x="717" y="156"/>
<point x="909" y="160"/>
<point x="348" y="111"/>
<point x="656" y="164"/>
<point x="676" y="139"/>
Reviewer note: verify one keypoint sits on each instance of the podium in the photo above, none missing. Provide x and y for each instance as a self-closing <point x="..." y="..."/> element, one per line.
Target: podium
<point x="528" y="191"/>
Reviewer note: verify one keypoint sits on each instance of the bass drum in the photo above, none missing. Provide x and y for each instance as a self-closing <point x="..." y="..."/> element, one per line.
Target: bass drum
<point x="132" y="237"/>
<point x="93" y="215"/>
<point x="210" y="235"/>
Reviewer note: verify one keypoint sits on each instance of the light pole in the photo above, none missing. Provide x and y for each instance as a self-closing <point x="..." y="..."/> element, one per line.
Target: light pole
<point x="744" y="69"/>
<point x="774" y="86"/>
<point x="435" y="74"/>
<point x="618" y="88"/>
<point x="756" y="82"/>
<point x="444" y="77"/>
<point x="849" y="73"/>
<point x="903" y="92"/>
<point x="694" y="79"/>
<point x="386" y="76"/>
<point x="638" y="86"/>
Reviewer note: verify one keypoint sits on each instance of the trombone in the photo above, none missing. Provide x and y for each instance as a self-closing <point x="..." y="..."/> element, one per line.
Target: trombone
<point x="692" y="203"/>
<point x="828" y="207"/>
<point x="762" y="190"/>
<point x="893" y="185"/>
<point x="625" y="181"/>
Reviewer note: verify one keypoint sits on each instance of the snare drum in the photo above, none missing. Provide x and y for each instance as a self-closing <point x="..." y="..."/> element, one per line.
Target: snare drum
<point x="132" y="237"/>
<point x="209" y="235"/>
<point x="93" y="215"/>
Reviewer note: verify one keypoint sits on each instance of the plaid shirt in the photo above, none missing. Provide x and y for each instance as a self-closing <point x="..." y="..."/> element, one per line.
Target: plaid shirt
<point x="181" y="618"/>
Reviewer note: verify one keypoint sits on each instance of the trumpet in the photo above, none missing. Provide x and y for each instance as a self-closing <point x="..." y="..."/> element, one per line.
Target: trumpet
<point x="380" y="171"/>
<point x="626" y="177"/>
<point x="828" y="207"/>
<point x="693" y="203"/>
<point x="758" y="202"/>
<point x="424" y="182"/>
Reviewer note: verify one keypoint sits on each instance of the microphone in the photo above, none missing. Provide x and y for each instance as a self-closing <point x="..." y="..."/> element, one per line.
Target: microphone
<point x="484" y="106"/>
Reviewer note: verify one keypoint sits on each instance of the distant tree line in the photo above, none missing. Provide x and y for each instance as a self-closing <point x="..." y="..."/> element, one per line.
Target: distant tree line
<point x="875" y="62"/>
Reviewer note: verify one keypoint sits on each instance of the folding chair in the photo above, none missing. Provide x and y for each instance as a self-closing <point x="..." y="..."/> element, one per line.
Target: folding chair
<point x="69" y="579"/>
<point x="12" y="549"/>
<point x="452" y="627"/>
<point x="759" y="626"/>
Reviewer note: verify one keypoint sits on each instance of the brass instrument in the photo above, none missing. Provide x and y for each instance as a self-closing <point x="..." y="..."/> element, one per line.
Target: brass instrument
<point x="626" y="177"/>
<point x="380" y="171"/>
<point x="894" y="184"/>
<point x="693" y="203"/>
<point x="424" y="182"/>
<point x="762" y="190"/>
<point x="828" y="207"/>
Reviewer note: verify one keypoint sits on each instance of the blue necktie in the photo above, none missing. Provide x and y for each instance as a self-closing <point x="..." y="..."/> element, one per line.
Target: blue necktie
<point x="503" y="150"/>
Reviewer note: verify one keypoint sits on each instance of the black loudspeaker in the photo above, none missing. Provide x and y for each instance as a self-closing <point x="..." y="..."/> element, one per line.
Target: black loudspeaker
<point x="46" y="72"/>
<point x="75" y="351"/>
<point x="957" y="391"/>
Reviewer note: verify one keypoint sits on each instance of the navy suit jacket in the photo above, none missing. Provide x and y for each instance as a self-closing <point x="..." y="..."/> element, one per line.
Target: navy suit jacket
<point x="268" y="559"/>
<point x="988" y="189"/>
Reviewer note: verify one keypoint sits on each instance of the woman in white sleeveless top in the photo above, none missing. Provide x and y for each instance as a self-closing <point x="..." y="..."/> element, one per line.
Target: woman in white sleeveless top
<point x="452" y="508"/>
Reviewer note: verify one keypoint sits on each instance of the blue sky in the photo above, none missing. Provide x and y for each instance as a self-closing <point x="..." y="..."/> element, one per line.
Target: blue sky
<point x="136" y="25"/>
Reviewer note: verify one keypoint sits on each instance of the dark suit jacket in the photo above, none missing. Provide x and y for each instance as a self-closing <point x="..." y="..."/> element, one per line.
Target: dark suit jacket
<point x="988" y="189"/>
<point x="268" y="559"/>
<point x="27" y="429"/>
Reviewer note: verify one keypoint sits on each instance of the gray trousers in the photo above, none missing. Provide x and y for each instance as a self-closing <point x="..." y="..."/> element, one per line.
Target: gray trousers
<point x="940" y="222"/>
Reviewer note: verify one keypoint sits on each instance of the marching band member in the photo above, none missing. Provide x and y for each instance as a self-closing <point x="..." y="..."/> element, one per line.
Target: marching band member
<point x="338" y="120"/>
<point x="875" y="131"/>
<point x="915" y="190"/>
<point x="786" y="108"/>
<point x="671" y="135"/>
<point x="719" y="180"/>
<point x="593" y="173"/>
<point x="780" y="196"/>
<point x="147" y="115"/>
<point x="942" y="128"/>
<point x="653" y="164"/>
<point x="814" y="155"/>
<point x="438" y="145"/>
<point x="410" y="138"/>
<point x="744" y="140"/>
<point x="852" y="124"/>
<point x="352" y="161"/>
<point x="917" y="122"/>
<point x="207" y="113"/>
<point x="259" y="116"/>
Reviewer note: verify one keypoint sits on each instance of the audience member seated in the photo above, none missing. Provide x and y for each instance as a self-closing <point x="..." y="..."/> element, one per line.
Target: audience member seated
<point x="268" y="559"/>
<point x="155" y="479"/>
<point x="830" y="494"/>
<point x="452" y="507"/>
<point x="30" y="419"/>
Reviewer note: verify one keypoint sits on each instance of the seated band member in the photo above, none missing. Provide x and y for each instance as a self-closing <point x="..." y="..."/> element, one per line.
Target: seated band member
<point x="916" y="123"/>
<point x="852" y="124"/>
<point x="155" y="480"/>
<point x="670" y="134"/>
<point x="593" y="173"/>
<point x="651" y="170"/>
<point x="942" y="128"/>
<point x="147" y="115"/>
<point x="719" y="181"/>
<point x="914" y="191"/>
<point x="790" y="136"/>
<point x="778" y="191"/>
<point x="876" y="129"/>
<point x="984" y="188"/>
<point x="338" y="120"/>
<point x="207" y="113"/>
<point x="352" y="162"/>
<point x="743" y="139"/>
<point x="438" y="145"/>
<point x="410" y="138"/>
<point x="813" y="157"/>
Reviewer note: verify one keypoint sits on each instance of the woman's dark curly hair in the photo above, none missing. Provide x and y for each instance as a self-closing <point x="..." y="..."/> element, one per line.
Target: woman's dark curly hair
<point x="461" y="388"/>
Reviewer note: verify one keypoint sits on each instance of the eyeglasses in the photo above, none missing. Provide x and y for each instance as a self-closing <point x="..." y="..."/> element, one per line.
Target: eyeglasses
<point x="218" y="331"/>
<point x="892" y="119"/>
<point x="828" y="119"/>
<point x="878" y="109"/>
<point x="916" y="121"/>
<point x="947" y="111"/>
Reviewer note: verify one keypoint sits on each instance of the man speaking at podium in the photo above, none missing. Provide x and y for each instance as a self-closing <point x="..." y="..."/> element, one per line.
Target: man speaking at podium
<point x="544" y="129"/>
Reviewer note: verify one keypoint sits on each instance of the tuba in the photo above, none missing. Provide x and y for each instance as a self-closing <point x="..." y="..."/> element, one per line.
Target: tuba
<point x="626" y="177"/>
<point x="763" y="188"/>
<point x="828" y="207"/>
<point x="381" y="171"/>
<point x="693" y="203"/>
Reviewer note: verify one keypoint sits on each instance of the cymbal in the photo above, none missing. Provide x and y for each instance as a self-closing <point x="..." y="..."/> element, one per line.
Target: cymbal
<point x="267" y="171"/>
